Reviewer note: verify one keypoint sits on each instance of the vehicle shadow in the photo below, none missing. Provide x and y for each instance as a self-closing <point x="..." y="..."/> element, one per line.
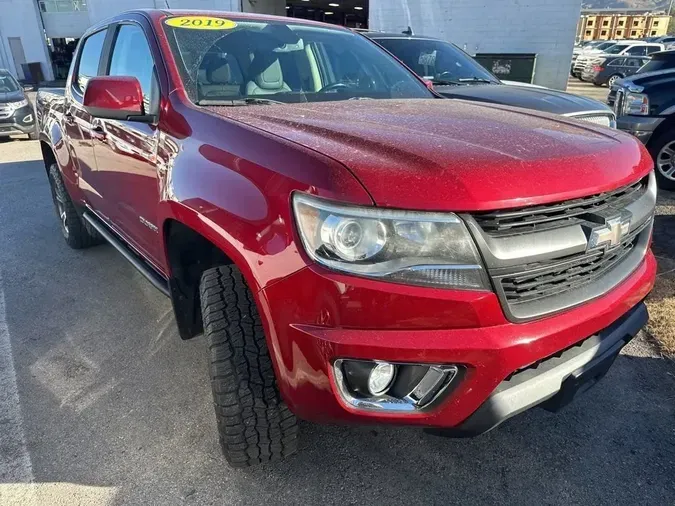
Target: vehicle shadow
<point x="111" y="397"/>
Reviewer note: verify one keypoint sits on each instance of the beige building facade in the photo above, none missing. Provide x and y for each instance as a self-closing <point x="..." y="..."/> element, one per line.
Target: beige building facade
<point x="606" y="25"/>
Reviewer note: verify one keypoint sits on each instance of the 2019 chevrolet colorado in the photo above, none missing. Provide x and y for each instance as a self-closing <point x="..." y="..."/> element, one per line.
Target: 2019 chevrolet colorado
<point x="353" y="247"/>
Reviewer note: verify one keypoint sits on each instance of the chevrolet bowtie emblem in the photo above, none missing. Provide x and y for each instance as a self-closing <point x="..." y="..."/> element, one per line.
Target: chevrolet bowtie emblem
<point x="611" y="232"/>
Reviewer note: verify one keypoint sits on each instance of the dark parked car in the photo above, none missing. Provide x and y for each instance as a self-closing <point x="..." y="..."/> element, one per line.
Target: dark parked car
<point x="663" y="60"/>
<point x="607" y="70"/>
<point x="645" y="107"/>
<point x="454" y="74"/>
<point x="16" y="113"/>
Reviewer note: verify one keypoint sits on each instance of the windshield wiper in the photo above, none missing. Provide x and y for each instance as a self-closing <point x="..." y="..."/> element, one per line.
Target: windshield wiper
<point x="238" y="102"/>
<point x="460" y="81"/>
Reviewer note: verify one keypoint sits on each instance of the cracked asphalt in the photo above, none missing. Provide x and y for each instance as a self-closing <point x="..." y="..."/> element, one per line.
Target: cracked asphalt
<point x="111" y="407"/>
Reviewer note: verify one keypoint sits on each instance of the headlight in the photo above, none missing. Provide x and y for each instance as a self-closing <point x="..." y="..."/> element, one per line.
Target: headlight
<point x="18" y="105"/>
<point x="637" y="104"/>
<point x="431" y="249"/>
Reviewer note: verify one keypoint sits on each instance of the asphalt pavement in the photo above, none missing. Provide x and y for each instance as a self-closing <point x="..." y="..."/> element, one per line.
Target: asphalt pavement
<point x="578" y="87"/>
<point x="102" y="403"/>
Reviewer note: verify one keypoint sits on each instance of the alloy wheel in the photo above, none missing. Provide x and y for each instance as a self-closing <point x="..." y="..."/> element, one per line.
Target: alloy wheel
<point x="665" y="161"/>
<point x="63" y="215"/>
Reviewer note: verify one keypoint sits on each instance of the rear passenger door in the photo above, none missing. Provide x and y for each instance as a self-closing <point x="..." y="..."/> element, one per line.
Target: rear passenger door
<point x="126" y="151"/>
<point x="632" y="65"/>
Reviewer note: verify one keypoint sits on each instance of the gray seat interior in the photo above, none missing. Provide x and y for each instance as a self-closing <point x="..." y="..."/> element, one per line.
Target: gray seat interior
<point x="267" y="77"/>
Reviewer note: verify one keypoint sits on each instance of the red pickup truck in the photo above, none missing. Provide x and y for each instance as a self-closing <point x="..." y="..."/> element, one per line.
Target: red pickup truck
<point x="353" y="247"/>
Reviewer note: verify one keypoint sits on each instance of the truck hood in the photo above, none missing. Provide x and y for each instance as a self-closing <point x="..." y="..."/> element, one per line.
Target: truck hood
<point x="455" y="155"/>
<point x="540" y="99"/>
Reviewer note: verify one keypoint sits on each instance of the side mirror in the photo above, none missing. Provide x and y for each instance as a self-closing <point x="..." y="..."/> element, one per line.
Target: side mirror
<point x="115" y="97"/>
<point x="28" y="87"/>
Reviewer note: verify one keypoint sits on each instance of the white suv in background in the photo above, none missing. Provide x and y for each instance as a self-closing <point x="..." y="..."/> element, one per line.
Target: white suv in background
<point x="626" y="47"/>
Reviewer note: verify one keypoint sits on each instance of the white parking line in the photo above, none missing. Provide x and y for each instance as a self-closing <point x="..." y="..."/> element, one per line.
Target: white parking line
<point x="15" y="465"/>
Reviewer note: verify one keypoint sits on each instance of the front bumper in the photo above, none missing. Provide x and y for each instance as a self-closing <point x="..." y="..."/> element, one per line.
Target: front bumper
<point x="641" y="127"/>
<point x="554" y="382"/>
<point x="21" y="122"/>
<point x="315" y="317"/>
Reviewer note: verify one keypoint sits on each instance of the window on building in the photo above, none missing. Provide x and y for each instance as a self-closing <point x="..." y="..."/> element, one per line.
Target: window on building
<point x="589" y="33"/>
<point x="131" y="56"/>
<point x="653" y="32"/>
<point x="633" y="33"/>
<point x="603" y="33"/>
<point x="636" y="23"/>
<point x="89" y="60"/>
<point x="605" y="22"/>
<point x="63" y="5"/>
<point x="589" y="23"/>
<point x="619" y="33"/>
<point x="621" y="22"/>
<point x="656" y="23"/>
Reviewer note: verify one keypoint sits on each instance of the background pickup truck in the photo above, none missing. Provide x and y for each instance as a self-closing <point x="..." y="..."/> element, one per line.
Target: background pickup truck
<point x="353" y="247"/>
<point x="645" y="107"/>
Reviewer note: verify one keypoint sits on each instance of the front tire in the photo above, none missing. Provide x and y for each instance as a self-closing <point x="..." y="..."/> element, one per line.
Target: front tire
<point x="77" y="233"/>
<point x="662" y="150"/>
<point x="254" y="423"/>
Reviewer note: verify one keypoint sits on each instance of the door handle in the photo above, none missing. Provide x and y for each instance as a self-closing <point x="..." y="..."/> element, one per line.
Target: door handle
<point x="98" y="133"/>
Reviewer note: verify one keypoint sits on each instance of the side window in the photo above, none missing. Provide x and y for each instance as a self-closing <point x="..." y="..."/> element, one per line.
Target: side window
<point x="131" y="56"/>
<point x="89" y="60"/>
<point x="616" y="62"/>
<point x="653" y="49"/>
<point x="637" y="50"/>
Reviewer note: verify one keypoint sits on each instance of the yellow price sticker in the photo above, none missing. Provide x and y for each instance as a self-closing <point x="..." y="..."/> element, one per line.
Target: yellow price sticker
<point x="201" y="23"/>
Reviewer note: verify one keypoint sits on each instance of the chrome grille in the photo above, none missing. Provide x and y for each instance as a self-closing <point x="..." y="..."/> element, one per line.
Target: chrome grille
<point x="606" y="120"/>
<point x="5" y="111"/>
<point x="618" y="102"/>
<point x="535" y="218"/>
<point x="542" y="259"/>
<point x="568" y="274"/>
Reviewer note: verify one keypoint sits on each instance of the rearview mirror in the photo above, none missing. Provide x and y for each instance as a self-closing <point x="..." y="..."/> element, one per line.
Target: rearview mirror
<point x="115" y="97"/>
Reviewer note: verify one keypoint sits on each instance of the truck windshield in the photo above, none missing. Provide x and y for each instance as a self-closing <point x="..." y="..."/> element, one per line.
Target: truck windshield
<point x="7" y="83"/>
<point x="242" y="62"/>
<point x="438" y="61"/>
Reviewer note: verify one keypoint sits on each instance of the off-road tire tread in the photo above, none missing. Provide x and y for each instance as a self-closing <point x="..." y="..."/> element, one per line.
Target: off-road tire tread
<point x="254" y="424"/>
<point x="81" y="235"/>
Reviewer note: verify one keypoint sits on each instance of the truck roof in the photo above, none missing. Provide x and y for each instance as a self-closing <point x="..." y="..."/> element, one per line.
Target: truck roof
<point x="248" y="16"/>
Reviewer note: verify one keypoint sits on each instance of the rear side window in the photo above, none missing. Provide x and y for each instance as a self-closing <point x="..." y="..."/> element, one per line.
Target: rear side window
<point x="634" y="62"/>
<point x="131" y="56"/>
<point x="90" y="57"/>
<point x="616" y="62"/>
<point x="637" y="50"/>
<point x="653" y="49"/>
<point x="661" y="64"/>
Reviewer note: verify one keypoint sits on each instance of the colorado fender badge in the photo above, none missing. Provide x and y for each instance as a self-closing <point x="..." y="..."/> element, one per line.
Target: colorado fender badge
<point x="201" y="23"/>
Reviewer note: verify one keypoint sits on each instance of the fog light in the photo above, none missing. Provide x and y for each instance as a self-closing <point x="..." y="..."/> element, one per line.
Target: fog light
<point x="28" y="119"/>
<point x="400" y="387"/>
<point x="380" y="378"/>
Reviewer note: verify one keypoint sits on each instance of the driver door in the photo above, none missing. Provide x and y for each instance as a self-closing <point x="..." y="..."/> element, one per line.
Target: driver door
<point x="126" y="151"/>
